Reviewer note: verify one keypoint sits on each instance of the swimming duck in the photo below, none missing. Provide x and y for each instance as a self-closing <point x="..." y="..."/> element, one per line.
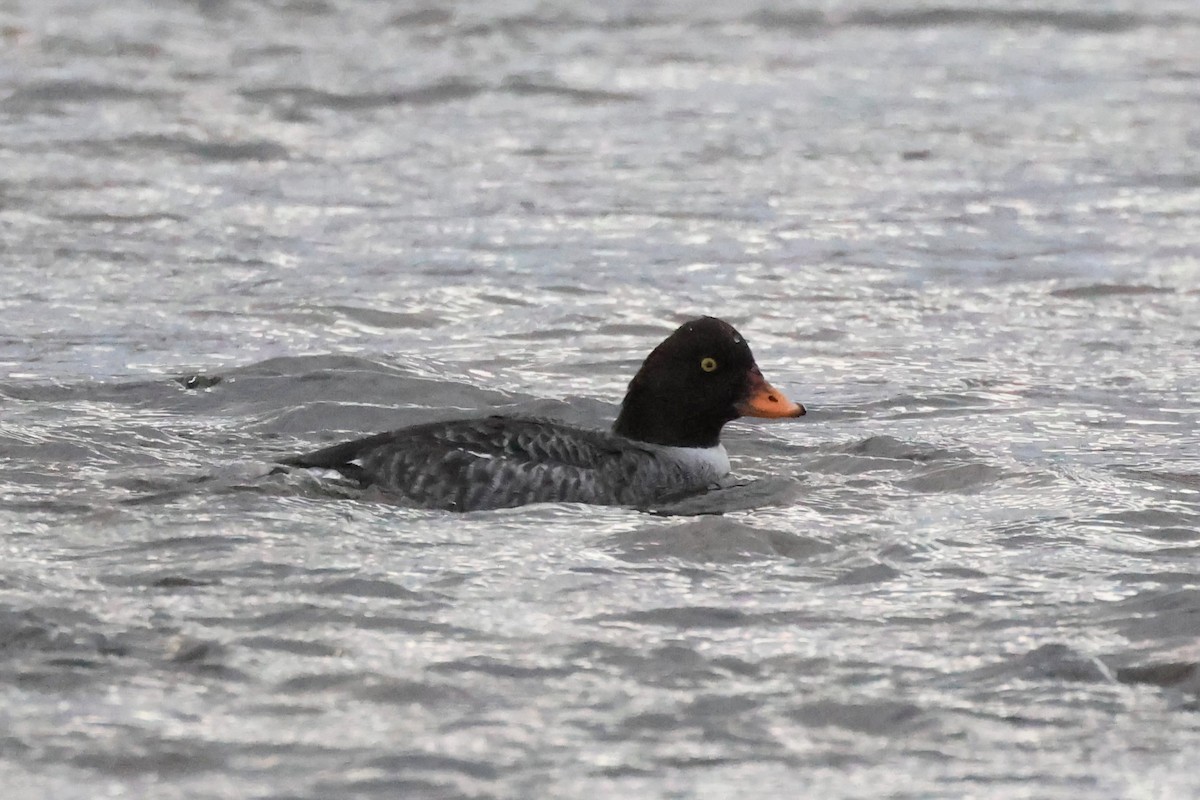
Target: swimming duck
<point x="664" y="444"/>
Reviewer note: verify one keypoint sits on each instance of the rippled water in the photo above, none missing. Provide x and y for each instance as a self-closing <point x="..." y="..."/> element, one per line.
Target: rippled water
<point x="964" y="235"/>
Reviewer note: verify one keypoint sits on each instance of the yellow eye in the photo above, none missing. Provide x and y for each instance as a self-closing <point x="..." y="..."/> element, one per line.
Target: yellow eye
<point x="708" y="364"/>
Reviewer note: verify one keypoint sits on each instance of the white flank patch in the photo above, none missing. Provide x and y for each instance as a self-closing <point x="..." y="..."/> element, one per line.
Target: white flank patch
<point x="710" y="462"/>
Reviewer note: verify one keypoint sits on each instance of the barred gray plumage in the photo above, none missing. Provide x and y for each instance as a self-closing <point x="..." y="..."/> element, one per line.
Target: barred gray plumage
<point x="498" y="462"/>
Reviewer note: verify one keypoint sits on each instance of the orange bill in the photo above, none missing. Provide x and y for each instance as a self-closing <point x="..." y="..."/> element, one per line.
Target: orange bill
<point x="764" y="400"/>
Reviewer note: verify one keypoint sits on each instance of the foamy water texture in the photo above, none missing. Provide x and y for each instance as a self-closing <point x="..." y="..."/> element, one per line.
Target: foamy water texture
<point x="964" y="235"/>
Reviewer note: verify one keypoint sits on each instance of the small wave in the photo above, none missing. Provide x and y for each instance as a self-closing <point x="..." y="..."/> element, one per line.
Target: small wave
<point x="157" y="579"/>
<point x="522" y="24"/>
<point x="674" y="664"/>
<point x="956" y="478"/>
<point x="496" y="668"/>
<point x="1159" y="615"/>
<point x="527" y="86"/>
<point x="715" y="540"/>
<point x="261" y="150"/>
<point x="807" y="21"/>
<point x="120" y="219"/>
<point x="867" y="574"/>
<point x="1109" y="290"/>
<point x="684" y="617"/>
<point x="302" y="97"/>
<point x="1155" y="523"/>
<point x="408" y="763"/>
<point x="886" y="453"/>
<point x="296" y="647"/>
<point x="747" y="496"/>
<point x="1182" y="675"/>
<point x="391" y="320"/>
<point x="699" y="617"/>
<point x="421" y="18"/>
<point x="891" y="447"/>
<point x="877" y="717"/>
<point x="324" y="393"/>
<point x="208" y="543"/>
<point x="1189" y="480"/>
<point x="53" y="94"/>
<point x="1054" y="662"/>
<point x="1082" y="21"/>
<point x="794" y="20"/>
<point x="159" y="757"/>
<point x="367" y="587"/>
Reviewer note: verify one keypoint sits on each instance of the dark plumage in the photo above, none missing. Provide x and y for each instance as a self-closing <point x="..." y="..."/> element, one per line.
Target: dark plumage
<point x="665" y="441"/>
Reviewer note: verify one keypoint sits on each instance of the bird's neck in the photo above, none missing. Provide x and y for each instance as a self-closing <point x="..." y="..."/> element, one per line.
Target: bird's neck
<point x="647" y="419"/>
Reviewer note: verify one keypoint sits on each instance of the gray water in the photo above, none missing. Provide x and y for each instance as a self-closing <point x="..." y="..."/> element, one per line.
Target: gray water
<point x="965" y="235"/>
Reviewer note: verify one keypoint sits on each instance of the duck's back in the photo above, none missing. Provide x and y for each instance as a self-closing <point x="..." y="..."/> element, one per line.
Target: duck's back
<point x="498" y="462"/>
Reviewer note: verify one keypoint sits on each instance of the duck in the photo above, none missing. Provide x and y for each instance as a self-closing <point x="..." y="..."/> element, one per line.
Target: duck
<point x="664" y="445"/>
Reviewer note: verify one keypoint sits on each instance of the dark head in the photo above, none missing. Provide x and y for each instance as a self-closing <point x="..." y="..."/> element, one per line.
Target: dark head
<point x="701" y="377"/>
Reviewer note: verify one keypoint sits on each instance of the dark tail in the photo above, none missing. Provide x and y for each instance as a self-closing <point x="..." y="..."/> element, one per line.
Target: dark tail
<point x="339" y="457"/>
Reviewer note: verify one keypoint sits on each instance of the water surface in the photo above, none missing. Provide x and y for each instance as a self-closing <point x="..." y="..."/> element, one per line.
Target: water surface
<point x="963" y="235"/>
